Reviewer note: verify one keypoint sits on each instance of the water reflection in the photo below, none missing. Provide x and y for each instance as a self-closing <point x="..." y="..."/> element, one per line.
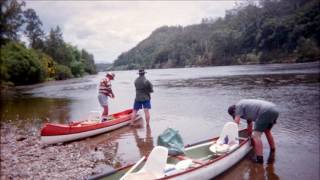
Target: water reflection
<point x="34" y="110"/>
<point x="144" y="144"/>
<point x="270" y="170"/>
<point x="247" y="169"/>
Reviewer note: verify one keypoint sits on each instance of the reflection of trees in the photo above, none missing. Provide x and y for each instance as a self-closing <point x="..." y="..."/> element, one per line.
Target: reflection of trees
<point x="35" y="110"/>
<point x="145" y="145"/>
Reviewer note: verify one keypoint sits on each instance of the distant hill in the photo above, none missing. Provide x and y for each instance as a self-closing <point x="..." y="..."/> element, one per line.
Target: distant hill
<point x="103" y="66"/>
<point x="273" y="31"/>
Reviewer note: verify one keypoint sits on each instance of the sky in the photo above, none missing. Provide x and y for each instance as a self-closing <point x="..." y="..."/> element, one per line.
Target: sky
<point x="108" y="28"/>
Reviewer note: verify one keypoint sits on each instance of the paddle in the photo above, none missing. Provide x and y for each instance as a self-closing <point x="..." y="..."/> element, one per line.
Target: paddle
<point x="132" y="168"/>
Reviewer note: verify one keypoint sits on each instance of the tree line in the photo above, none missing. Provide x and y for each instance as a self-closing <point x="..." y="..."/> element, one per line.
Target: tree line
<point x="267" y="31"/>
<point x="46" y="57"/>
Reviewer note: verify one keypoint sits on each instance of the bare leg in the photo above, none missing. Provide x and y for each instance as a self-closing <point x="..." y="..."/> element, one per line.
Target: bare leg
<point x="258" y="147"/>
<point x="270" y="138"/>
<point x="105" y="111"/>
<point x="147" y="115"/>
<point x="133" y="117"/>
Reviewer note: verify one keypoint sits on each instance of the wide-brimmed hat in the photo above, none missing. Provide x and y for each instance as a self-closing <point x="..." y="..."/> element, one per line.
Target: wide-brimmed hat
<point x="141" y="71"/>
<point x="111" y="75"/>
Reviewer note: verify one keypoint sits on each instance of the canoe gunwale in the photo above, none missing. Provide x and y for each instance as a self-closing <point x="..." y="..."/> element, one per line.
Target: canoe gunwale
<point x="51" y="137"/>
<point x="243" y="142"/>
<point x="66" y="129"/>
<point x="210" y="162"/>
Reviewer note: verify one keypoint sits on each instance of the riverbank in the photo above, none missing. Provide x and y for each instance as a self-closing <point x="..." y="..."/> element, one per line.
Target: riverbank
<point x="10" y="90"/>
<point x="24" y="157"/>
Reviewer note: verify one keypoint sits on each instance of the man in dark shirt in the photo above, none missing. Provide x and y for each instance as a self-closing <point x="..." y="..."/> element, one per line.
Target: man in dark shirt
<point x="142" y="100"/>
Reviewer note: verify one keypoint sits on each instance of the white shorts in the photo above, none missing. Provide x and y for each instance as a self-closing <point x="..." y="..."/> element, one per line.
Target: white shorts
<point x="103" y="99"/>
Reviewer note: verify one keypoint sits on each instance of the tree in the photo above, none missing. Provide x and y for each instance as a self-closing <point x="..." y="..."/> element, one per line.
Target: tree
<point x="21" y="65"/>
<point x="11" y="19"/>
<point x="33" y="29"/>
<point x="62" y="72"/>
<point x="88" y="61"/>
<point x="57" y="48"/>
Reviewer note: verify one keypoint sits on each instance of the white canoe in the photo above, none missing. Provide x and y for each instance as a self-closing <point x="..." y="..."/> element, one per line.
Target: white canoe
<point x="205" y="164"/>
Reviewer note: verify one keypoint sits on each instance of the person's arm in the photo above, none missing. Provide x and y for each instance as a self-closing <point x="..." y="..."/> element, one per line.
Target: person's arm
<point x="109" y="89"/>
<point x="150" y="87"/>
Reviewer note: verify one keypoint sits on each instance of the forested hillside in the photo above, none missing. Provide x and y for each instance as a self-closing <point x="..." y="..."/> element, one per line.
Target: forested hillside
<point x="268" y="31"/>
<point x="46" y="55"/>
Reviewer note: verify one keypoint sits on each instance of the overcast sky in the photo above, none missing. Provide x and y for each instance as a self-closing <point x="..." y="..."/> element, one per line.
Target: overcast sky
<point x="108" y="28"/>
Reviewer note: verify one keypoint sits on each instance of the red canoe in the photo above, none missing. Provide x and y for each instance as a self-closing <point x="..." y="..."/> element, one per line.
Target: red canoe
<point x="53" y="133"/>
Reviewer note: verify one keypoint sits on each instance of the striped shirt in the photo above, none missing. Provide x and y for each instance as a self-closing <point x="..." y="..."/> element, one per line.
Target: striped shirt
<point x="105" y="87"/>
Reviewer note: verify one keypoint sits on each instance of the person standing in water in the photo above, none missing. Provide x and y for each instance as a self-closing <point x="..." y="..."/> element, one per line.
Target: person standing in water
<point x="143" y="98"/>
<point x="264" y="114"/>
<point x="105" y="91"/>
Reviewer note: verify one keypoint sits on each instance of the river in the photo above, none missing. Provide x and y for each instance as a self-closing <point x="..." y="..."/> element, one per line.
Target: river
<point x="193" y="101"/>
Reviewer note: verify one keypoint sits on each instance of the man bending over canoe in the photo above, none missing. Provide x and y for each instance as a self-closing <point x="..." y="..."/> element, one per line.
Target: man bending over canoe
<point x="105" y="91"/>
<point x="264" y="114"/>
<point x="143" y="97"/>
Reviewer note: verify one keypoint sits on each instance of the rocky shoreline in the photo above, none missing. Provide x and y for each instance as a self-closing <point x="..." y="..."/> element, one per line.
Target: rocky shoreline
<point x="24" y="157"/>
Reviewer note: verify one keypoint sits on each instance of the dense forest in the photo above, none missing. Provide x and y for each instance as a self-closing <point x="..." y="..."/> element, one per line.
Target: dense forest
<point x="47" y="56"/>
<point x="255" y="32"/>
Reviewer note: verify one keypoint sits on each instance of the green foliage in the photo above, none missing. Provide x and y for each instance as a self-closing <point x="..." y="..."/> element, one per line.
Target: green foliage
<point x="48" y="64"/>
<point x="48" y="57"/>
<point x="254" y="32"/>
<point x="21" y="65"/>
<point x="307" y="50"/>
<point x="77" y="68"/>
<point x="33" y="29"/>
<point x="57" y="48"/>
<point x="62" y="72"/>
<point x="11" y="19"/>
<point x="88" y="62"/>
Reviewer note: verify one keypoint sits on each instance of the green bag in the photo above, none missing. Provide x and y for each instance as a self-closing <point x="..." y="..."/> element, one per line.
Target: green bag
<point x="172" y="140"/>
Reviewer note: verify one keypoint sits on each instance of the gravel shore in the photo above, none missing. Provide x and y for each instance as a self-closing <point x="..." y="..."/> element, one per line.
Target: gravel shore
<point x="24" y="157"/>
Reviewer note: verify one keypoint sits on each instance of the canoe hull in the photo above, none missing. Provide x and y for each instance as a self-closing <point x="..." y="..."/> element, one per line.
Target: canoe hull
<point x="216" y="168"/>
<point x="208" y="168"/>
<point x="57" y="133"/>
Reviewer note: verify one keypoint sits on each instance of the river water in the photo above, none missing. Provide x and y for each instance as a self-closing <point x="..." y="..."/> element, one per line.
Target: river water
<point x="193" y="101"/>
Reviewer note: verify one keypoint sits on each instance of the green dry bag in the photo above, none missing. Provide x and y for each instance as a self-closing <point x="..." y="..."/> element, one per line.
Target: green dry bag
<point x="172" y="140"/>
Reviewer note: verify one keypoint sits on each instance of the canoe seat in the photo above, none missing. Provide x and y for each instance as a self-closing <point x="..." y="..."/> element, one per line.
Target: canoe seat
<point x="154" y="166"/>
<point x="228" y="139"/>
<point x="171" y="169"/>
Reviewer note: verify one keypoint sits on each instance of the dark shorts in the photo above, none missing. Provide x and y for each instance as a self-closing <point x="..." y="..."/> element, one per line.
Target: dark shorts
<point x="266" y="120"/>
<point x="142" y="104"/>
